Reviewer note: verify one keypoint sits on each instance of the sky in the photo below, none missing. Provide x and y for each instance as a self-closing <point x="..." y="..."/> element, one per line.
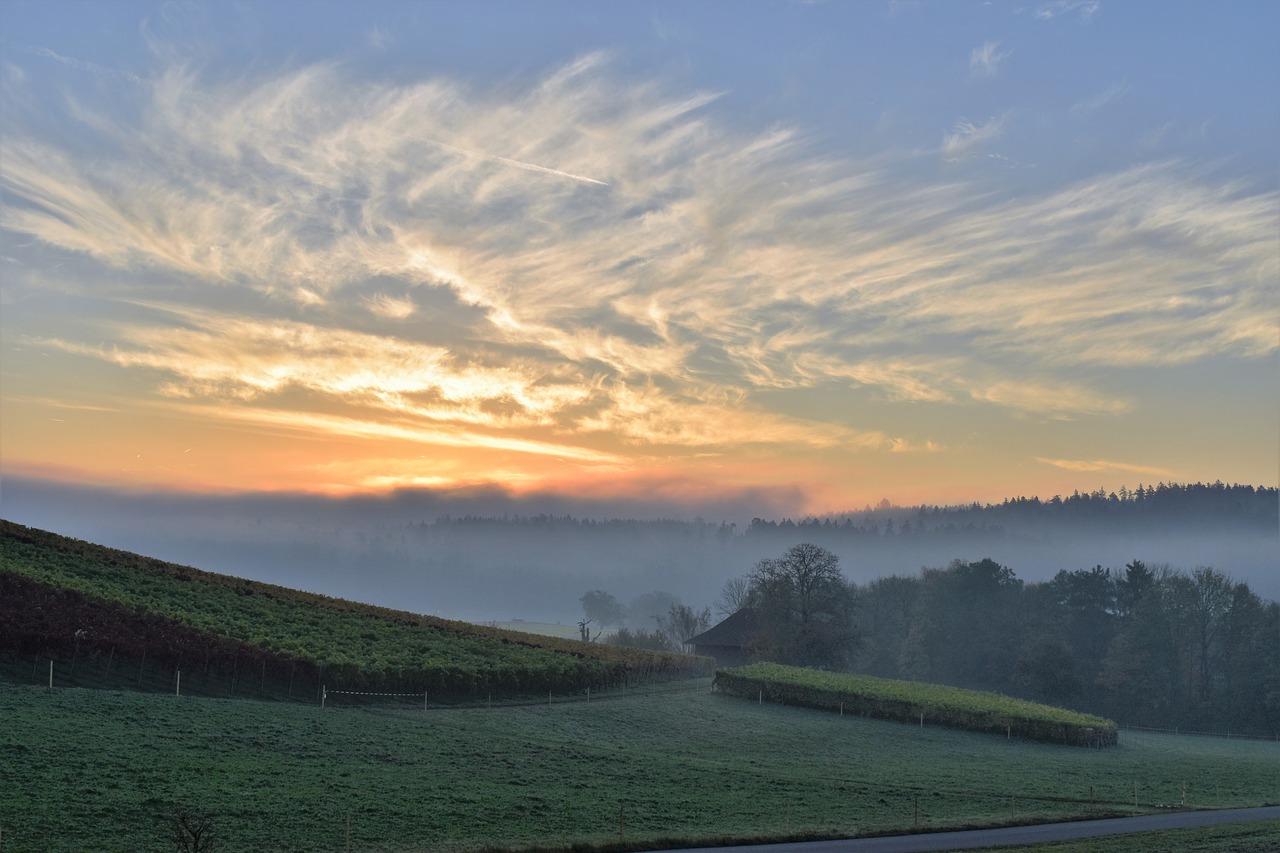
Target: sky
<point x="799" y="255"/>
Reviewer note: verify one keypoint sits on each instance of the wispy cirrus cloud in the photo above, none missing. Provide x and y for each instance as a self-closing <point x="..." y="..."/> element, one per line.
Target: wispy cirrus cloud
<point x="82" y="65"/>
<point x="985" y="61"/>
<point x="588" y="256"/>
<point x="1106" y="465"/>
<point x="1100" y="100"/>
<point x="220" y="357"/>
<point x="966" y="136"/>
<point x="1082" y="10"/>
<point x="390" y="307"/>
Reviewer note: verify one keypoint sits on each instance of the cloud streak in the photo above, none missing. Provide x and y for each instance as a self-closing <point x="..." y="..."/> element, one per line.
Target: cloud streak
<point x="1105" y="465"/>
<point x="985" y="61"/>
<point x="506" y="161"/>
<point x="967" y="136"/>
<point x="1100" y="100"/>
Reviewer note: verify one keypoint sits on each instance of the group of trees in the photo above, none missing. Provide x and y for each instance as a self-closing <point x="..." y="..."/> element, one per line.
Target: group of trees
<point x="655" y="620"/>
<point x="1145" y="645"/>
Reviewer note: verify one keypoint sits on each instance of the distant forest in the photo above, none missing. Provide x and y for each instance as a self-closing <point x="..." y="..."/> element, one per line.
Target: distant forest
<point x="1165" y="504"/>
<point x="1146" y="508"/>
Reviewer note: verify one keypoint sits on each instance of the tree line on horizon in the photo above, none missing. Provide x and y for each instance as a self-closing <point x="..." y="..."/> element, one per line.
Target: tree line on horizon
<point x="1146" y="645"/>
<point x="1160" y="505"/>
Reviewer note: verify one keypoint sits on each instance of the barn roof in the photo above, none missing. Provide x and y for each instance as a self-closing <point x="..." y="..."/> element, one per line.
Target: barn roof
<point x="735" y="630"/>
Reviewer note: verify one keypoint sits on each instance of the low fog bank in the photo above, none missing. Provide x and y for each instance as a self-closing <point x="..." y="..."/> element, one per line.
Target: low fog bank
<point x="487" y="557"/>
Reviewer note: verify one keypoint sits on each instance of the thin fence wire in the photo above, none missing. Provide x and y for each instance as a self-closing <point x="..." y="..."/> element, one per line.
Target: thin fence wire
<point x="367" y="693"/>
<point x="1228" y="735"/>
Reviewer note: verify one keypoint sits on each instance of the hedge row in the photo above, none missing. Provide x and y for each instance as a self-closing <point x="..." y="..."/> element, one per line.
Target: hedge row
<point x="908" y="701"/>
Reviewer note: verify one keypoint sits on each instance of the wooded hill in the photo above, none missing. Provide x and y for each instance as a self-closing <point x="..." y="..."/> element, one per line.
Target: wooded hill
<point x="123" y="620"/>
<point x="1162" y="506"/>
<point x="1165" y="506"/>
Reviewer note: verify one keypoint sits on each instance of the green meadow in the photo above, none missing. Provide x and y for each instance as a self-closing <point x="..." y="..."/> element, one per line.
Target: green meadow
<point x="105" y="770"/>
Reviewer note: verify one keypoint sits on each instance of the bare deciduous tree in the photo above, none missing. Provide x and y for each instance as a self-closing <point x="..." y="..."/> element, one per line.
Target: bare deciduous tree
<point x="734" y="596"/>
<point x="192" y="830"/>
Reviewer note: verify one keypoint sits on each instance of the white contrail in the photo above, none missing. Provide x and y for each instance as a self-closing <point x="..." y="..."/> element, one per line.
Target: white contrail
<point x="82" y="65"/>
<point x="530" y="167"/>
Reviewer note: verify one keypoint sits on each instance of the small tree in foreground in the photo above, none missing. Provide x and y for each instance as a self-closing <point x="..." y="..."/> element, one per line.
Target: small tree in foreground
<point x="192" y="830"/>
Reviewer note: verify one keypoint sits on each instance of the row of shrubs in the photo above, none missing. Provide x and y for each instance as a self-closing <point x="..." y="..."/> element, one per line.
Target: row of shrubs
<point x="908" y="701"/>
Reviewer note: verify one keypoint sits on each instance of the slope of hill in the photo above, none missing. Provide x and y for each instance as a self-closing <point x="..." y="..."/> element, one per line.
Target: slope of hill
<point x="100" y="609"/>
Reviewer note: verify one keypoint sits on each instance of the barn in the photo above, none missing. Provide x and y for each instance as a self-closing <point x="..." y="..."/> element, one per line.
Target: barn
<point x="729" y="641"/>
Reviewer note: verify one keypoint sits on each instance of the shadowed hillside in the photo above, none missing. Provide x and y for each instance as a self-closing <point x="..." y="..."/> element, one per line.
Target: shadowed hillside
<point x="109" y="615"/>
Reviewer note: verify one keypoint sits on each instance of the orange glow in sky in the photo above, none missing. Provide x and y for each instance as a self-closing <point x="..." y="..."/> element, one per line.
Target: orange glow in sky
<point x="607" y="279"/>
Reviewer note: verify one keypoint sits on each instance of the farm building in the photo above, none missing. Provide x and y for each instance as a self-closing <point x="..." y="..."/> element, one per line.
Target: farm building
<point x="729" y="641"/>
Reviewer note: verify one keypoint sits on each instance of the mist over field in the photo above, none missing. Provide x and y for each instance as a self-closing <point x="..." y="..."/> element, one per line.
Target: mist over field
<point x="486" y="556"/>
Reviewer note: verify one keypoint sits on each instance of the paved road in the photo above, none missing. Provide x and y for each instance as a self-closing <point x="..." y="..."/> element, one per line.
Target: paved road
<point x="1013" y="835"/>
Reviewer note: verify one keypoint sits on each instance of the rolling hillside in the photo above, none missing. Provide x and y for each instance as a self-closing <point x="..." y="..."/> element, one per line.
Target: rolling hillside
<point x="110" y="618"/>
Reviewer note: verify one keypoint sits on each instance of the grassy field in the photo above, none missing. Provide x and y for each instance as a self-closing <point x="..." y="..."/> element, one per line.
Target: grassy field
<point x="103" y="770"/>
<point x="69" y="600"/>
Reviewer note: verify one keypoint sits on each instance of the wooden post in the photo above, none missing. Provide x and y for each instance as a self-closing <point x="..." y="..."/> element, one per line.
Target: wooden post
<point x="324" y="694"/>
<point x="50" y="673"/>
<point x="177" y="690"/>
<point x="922" y="719"/>
<point x="588" y="694"/>
<point x="760" y="700"/>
